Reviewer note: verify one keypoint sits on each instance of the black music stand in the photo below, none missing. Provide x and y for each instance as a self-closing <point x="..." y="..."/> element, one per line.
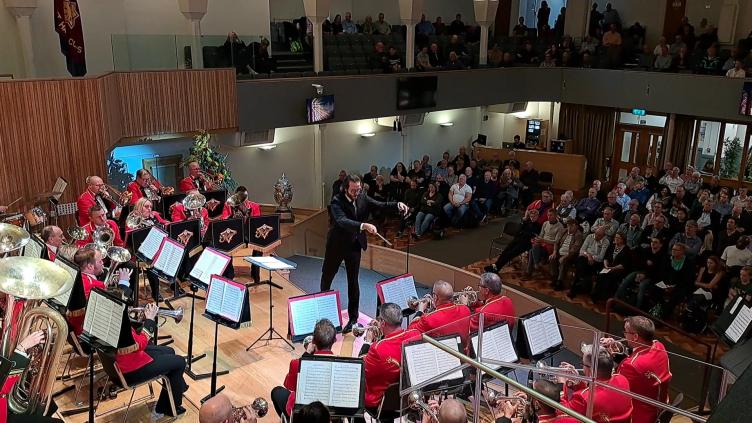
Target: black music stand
<point x="168" y="201"/>
<point x="135" y="239"/>
<point x="215" y="202"/>
<point x="270" y="334"/>
<point x="188" y="233"/>
<point x="225" y="235"/>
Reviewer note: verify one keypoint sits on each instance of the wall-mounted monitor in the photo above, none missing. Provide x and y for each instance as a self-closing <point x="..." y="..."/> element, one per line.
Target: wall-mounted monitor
<point x="417" y="92"/>
<point x="320" y="109"/>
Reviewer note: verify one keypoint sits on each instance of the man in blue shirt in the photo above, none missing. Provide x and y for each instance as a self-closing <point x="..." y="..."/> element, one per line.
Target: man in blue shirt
<point x="587" y="208"/>
<point x="621" y="197"/>
<point x="640" y="193"/>
<point x="424" y="27"/>
<point x="348" y="26"/>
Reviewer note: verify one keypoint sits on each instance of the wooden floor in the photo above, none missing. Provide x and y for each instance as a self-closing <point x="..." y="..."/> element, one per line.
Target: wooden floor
<point x="252" y="374"/>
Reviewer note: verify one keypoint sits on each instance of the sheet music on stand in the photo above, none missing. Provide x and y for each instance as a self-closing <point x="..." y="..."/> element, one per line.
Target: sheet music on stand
<point x="739" y="326"/>
<point x="60" y="185"/>
<point x="305" y="310"/>
<point x="541" y="331"/>
<point x="397" y="290"/>
<point x="168" y="258"/>
<point x="210" y="262"/>
<point x="225" y="298"/>
<point x="270" y="262"/>
<point x="497" y="345"/>
<point x="64" y="298"/>
<point x="152" y="243"/>
<point x="34" y="247"/>
<point x="424" y="361"/>
<point x="338" y="382"/>
<point x="104" y="318"/>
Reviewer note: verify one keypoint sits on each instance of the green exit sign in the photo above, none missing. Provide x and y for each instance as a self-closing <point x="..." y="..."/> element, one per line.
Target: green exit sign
<point x="638" y="112"/>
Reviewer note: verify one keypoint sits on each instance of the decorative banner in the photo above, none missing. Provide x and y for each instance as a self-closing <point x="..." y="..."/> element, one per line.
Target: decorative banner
<point x="68" y="25"/>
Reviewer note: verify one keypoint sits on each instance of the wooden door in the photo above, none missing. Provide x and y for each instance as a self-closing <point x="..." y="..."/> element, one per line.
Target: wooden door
<point x="635" y="146"/>
<point x="675" y="10"/>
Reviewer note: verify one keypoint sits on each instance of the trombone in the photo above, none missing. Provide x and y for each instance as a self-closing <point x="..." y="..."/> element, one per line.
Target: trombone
<point x="121" y="199"/>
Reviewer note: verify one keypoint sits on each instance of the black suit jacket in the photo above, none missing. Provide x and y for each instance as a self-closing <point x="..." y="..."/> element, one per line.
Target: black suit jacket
<point x="346" y="217"/>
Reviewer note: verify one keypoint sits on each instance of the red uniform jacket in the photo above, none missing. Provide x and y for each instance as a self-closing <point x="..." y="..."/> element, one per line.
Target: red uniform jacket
<point x="132" y="361"/>
<point x="608" y="407"/>
<point x="496" y="309"/>
<point x="249" y="205"/>
<point x="84" y="203"/>
<point x="76" y="317"/>
<point x="51" y="254"/>
<point x="7" y="387"/>
<point x="382" y="364"/>
<point x="137" y="190"/>
<point x="450" y="319"/>
<point x="186" y="184"/>
<point x="648" y="372"/>
<point x="542" y="210"/>
<point x="89" y="228"/>
<point x="178" y="214"/>
<point x="291" y="380"/>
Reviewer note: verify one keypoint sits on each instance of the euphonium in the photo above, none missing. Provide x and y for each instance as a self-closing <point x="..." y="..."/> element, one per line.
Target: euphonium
<point x="103" y="236"/>
<point x="137" y="314"/>
<point x="77" y="233"/>
<point x="117" y="255"/>
<point x="374" y="327"/>
<point x="472" y="295"/>
<point x="259" y="405"/>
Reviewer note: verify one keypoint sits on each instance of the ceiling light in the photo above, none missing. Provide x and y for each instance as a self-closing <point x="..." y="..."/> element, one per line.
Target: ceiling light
<point x="368" y="134"/>
<point x="447" y="124"/>
<point x="267" y="147"/>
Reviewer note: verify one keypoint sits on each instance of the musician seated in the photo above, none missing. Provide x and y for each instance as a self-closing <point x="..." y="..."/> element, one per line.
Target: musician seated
<point x="91" y="265"/>
<point x="145" y="186"/>
<point x="494" y="306"/>
<point x="219" y="409"/>
<point x="608" y="405"/>
<point x="196" y="180"/>
<point x="537" y="410"/>
<point x="144" y="361"/>
<point x="143" y="208"/>
<point x="283" y="397"/>
<point x="449" y="411"/>
<point x="98" y="219"/>
<point x="447" y="319"/>
<point x="95" y="194"/>
<point x="179" y="213"/>
<point x="246" y="207"/>
<point x="646" y="367"/>
<point x="383" y="358"/>
<point x="315" y="412"/>
<point x="53" y="238"/>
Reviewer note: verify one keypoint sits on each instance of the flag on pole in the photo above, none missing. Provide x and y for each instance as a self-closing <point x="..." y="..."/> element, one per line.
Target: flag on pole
<point x="68" y="25"/>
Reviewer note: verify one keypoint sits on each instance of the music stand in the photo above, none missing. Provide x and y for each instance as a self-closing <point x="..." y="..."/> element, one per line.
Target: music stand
<point x="225" y="235"/>
<point x="168" y="201"/>
<point x="263" y="237"/>
<point x="334" y="404"/>
<point x="220" y="196"/>
<point x="188" y="233"/>
<point x="547" y="319"/>
<point x="270" y="263"/>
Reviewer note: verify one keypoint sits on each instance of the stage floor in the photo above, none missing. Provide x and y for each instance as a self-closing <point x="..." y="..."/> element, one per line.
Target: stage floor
<point x="252" y="374"/>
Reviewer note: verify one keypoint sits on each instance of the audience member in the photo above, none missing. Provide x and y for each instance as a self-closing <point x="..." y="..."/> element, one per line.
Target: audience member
<point x="368" y="26"/>
<point x="457" y="27"/>
<point x="689" y="239"/>
<point x="394" y="60"/>
<point x="737" y="71"/>
<point x="589" y="262"/>
<point x="520" y="30"/>
<point x="565" y="252"/>
<point x="649" y="265"/>
<point x="616" y="264"/>
<point x="543" y="244"/>
<point x="542" y="205"/>
<point x="423" y="60"/>
<point x="381" y="26"/>
<point x="430" y="208"/>
<point x="439" y="26"/>
<point x="632" y="231"/>
<point x="435" y="57"/>
<point x="483" y="198"/>
<point x="544" y="14"/>
<point x="611" y="18"/>
<point x="587" y="208"/>
<point x="460" y="195"/>
<point x="454" y="62"/>
<point x="607" y="222"/>
<point x="710" y="64"/>
<point x="617" y="212"/>
<point x="348" y="26"/>
<point x="520" y="243"/>
<point x="425" y="27"/>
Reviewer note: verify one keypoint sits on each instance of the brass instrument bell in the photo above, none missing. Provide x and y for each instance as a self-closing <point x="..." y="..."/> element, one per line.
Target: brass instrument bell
<point x="194" y="201"/>
<point x="414" y="302"/>
<point x="373" y="326"/>
<point x="31" y="278"/>
<point x="12" y="237"/>
<point x="77" y="233"/>
<point x="137" y="314"/>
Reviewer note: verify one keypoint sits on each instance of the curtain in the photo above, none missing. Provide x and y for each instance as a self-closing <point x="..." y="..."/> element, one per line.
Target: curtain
<point x="591" y="130"/>
<point x="679" y="155"/>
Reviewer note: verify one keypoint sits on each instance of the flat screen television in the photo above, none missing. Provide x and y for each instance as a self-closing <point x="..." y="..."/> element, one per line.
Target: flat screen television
<point x="417" y="92"/>
<point x="745" y="102"/>
<point x="320" y="109"/>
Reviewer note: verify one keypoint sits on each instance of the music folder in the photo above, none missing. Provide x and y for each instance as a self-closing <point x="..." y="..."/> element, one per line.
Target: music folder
<point x="497" y="345"/>
<point x="34" y="248"/>
<point x="187" y="232"/>
<point x="168" y="258"/>
<point x="215" y="203"/>
<point x="63" y="301"/>
<point x="424" y="361"/>
<point x="211" y="262"/>
<point x="338" y="382"/>
<point x="225" y="235"/>
<point x="227" y="303"/>
<point x="106" y="322"/>
<point x="263" y="231"/>
<point x="540" y="334"/>
<point x="146" y="242"/>
<point x="304" y="311"/>
<point x="733" y="324"/>
<point x="397" y="290"/>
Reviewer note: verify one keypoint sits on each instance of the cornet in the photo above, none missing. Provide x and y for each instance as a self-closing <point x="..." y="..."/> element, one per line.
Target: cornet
<point x="494" y="399"/>
<point x="472" y="295"/>
<point x="617" y="347"/>
<point x="259" y="405"/>
<point x="414" y="302"/>
<point x="553" y="377"/>
<point x="137" y="314"/>
<point x="373" y="327"/>
<point x="415" y="402"/>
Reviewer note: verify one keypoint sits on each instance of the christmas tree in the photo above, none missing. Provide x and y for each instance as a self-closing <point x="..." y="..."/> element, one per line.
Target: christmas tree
<point x="732" y="158"/>
<point x="117" y="173"/>
<point x="210" y="160"/>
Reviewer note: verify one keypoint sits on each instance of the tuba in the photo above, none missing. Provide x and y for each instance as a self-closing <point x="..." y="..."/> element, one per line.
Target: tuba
<point x="26" y="281"/>
<point x="103" y="237"/>
<point x="194" y="202"/>
<point x="12" y="238"/>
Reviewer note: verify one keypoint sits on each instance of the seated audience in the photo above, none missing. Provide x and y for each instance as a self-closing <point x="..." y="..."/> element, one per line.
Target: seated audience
<point x="737" y="71"/>
<point x="381" y="26"/>
<point x="546" y="202"/>
<point x="689" y="239"/>
<point x="565" y="252"/>
<point x="648" y="267"/>
<point x="429" y="209"/>
<point x="509" y="191"/>
<point x="483" y="198"/>
<point x="460" y="195"/>
<point x="616" y="264"/>
<point x="520" y="243"/>
<point x="607" y="222"/>
<point x="587" y="208"/>
<point x="590" y="261"/>
<point x="565" y="209"/>
<point x="617" y="212"/>
<point x="435" y="57"/>
<point x="543" y="244"/>
<point x="632" y="231"/>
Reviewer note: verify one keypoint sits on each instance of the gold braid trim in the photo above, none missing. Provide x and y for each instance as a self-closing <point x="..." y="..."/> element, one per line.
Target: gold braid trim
<point x="76" y="313"/>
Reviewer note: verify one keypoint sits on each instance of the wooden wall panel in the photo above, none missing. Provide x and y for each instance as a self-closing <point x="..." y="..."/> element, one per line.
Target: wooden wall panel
<point x="177" y="101"/>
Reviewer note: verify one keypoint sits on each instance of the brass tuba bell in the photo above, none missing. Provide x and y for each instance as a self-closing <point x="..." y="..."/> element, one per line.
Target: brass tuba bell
<point x="12" y="238"/>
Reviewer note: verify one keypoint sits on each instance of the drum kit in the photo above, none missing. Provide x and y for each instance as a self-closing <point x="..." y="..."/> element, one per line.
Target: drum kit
<point x="35" y="216"/>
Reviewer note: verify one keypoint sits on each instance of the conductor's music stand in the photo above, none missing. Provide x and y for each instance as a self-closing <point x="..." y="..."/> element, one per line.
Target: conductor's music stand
<point x="270" y="263"/>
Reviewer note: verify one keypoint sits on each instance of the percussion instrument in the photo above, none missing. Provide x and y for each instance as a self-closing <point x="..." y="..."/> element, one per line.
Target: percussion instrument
<point x="14" y="219"/>
<point x="36" y="216"/>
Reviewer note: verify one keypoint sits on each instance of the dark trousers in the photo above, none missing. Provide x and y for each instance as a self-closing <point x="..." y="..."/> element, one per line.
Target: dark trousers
<point x="279" y="397"/>
<point x="514" y="249"/>
<point x="332" y="259"/>
<point x="583" y="276"/>
<point x="167" y="363"/>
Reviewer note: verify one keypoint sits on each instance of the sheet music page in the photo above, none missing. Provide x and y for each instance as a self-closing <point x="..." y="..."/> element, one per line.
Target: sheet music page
<point x="314" y="382"/>
<point x="327" y="308"/>
<point x="232" y="301"/>
<point x="211" y="262"/>
<point x="103" y="319"/>
<point x="273" y="263"/>
<point x="152" y="242"/>
<point x="425" y="361"/>
<point x="65" y="297"/>
<point x="214" y="298"/>
<point x="497" y="345"/>
<point x="32" y="249"/>
<point x="446" y="361"/>
<point x="169" y="258"/>
<point x="740" y="323"/>
<point x="553" y="332"/>
<point x="60" y="186"/>
<point x="345" y="390"/>
<point x="542" y="332"/>
<point x="304" y="313"/>
<point x="399" y="290"/>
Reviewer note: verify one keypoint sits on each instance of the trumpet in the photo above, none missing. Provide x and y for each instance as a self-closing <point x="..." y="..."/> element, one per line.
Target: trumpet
<point x="259" y="405"/>
<point x="307" y="341"/>
<point x="553" y="377"/>
<point x="472" y="296"/>
<point x="494" y="399"/>
<point x="373" y="329"/>
<point x="137" y="314"/>
<point x="414" y="302"/>
<point x="616" y="347"/>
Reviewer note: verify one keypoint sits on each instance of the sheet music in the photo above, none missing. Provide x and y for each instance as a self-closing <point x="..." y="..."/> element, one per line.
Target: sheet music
<point x="225" y="299"/>
<point x="152" y="242"/>
<point x="273" y="263"/>
<point x="306" y="312"/>
<point x="314" y="382"/>
<point x="104" y="318"/>
<point x="211" y="262"/>
<point x="740" y="324"/>
<point x="345" y="384"/>
<point x="497" y="345"/>
<point x="65" y="297"/>
<point x="399" y="290"/>
<point x="424" y="361"/>
<point x="60" y="186"/>
<point x="32" y="249"/>
<point x="542" y="332"/>
<point x="169" y="257"/>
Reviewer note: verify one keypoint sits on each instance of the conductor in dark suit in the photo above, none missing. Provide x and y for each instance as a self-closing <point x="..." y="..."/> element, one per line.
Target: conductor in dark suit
<point x="348" y="211"/>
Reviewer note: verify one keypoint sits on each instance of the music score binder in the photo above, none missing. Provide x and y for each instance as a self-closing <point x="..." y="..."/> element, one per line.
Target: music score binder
<point x="63" y="299"/>
<point x="540" y="334"/>
<point x="210" y="262"/>
<point x="225" y="235"/>
<point x="107" y="321"/>
<point x="733" y="324"/>
<point x="227" y="303"/>
<point x="168" y="258"/>
<point x="220" y="196"/>
<point x="305" y="310"/>
<point x="187" y="232"/>
<point x="147" y="241"/>
<point x="497" y="345"/>
<point x="338" y="382"/>
<point x="424" y="361"/>
<point x="397" y="290"/>
<point x="34" y="247"/>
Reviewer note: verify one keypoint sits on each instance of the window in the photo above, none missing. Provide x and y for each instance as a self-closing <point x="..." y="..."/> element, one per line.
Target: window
<point x="732" y="150"/>
<point x="722" y="148"/>
<point x="647" y="120"/>
<point x="707" y="145"/>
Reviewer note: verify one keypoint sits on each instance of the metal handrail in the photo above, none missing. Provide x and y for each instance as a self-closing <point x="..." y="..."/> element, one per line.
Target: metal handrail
<point x="532" y="393"/>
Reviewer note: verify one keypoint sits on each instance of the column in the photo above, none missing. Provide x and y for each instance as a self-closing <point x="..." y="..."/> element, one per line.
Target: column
<point x="410" y="11"/>
<point x="485" y="16"/>
<point x="22" y="11"/>
<point x="317" y="11"/>
<point x="194" y="11"/>
<point x="576" y="22"/>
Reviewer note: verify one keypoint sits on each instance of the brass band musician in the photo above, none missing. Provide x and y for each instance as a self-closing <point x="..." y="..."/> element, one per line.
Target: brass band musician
<point x="537" y="410"/>
<point x="219" y="409"/>
<point x="178" y="213"/>
<point x="95" y="194"/>
<point x="145" y="186"/>
<point x="148" y="217"/>
<point x="494" y="306"/>
<point x="196" y="179"/>
<point x="98" y="219"/>
<point x="448" y="318"/>
<point x="53" y="238"/>
<point x="246" y="207"/>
